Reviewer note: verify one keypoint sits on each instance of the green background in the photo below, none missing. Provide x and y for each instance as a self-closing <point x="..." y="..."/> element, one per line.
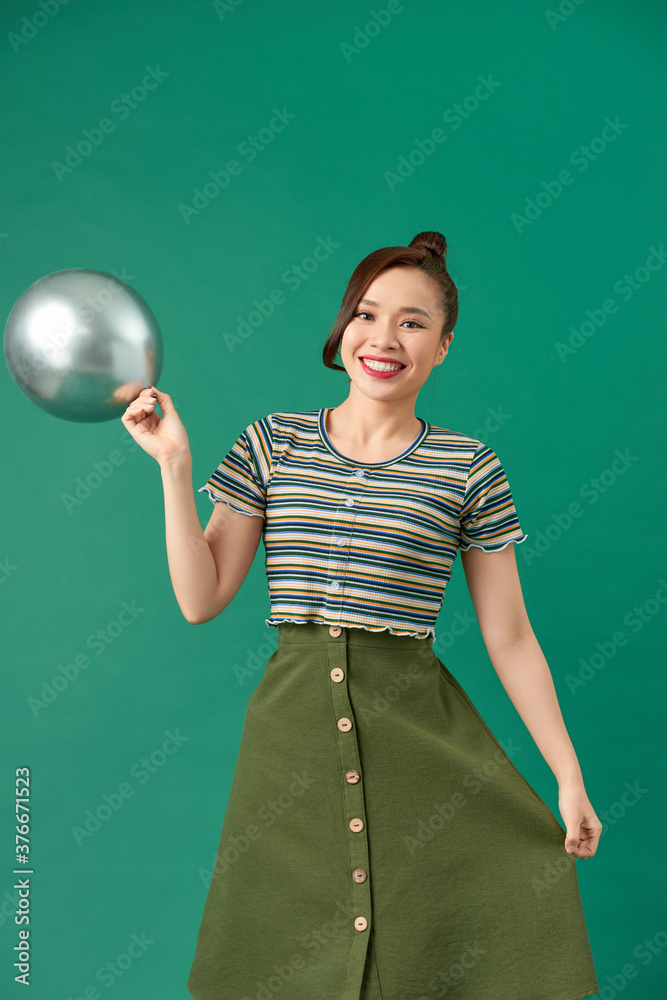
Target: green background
<point x="65" y="574"/>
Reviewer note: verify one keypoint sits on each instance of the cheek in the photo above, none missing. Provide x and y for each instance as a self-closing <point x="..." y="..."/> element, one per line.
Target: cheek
<point x="350" y="341"/>
<point x="420" y="358"/>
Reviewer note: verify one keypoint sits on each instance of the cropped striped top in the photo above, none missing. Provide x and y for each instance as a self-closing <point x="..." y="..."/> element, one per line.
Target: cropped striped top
<point x="364" y="544"/>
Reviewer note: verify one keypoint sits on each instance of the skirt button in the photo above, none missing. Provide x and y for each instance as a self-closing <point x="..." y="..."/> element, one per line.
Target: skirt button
<point x="352" y="776"/>
<point x="337" y="674"/>
<point x="344" y="725"/>
<point x="356" y="825"/>
<point x="334" y="630"/>
<point x="361" y="923"/>
<point x="359" y="875"/>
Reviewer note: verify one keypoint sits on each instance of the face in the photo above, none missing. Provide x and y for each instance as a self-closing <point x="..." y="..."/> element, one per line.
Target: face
<point x="398" y="318"/>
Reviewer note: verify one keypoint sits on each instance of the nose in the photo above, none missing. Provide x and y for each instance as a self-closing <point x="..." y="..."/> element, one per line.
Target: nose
<point x="383" y="335"/>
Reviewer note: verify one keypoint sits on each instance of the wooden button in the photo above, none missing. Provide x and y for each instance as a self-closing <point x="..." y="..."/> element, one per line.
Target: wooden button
<point x="337" y="675"/>
<point x="361" y="923"/>
<point x="359" y="875"/>
<point x="344" y="725"/>
<point x="356" y="825"/>
<point x="352" y="776"/>
<point x="335" y="630"/>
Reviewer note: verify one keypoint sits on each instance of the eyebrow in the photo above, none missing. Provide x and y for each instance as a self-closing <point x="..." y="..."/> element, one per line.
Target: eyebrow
<point x="405" y="309"/>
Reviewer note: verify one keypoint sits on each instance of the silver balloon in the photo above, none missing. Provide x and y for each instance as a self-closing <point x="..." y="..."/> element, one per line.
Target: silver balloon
<point x="82" y="344"/>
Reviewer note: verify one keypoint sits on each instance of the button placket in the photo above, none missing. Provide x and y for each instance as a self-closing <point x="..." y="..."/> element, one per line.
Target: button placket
<point x="341" y="536"/>
<point x="354" y="813"/>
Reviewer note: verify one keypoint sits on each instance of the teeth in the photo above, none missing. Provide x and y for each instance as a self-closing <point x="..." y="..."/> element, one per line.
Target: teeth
<point x="381" y="366"/>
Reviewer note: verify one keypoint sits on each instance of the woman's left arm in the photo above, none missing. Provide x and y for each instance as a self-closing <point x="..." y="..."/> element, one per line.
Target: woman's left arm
<point x="495" y="590"/>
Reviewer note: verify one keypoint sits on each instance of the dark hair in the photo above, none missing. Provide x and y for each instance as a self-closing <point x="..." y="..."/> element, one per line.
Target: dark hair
<point x="426" y="253"/>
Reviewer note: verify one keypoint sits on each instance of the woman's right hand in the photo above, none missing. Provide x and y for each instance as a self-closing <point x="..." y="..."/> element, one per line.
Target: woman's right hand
<point x="164" y="438"/>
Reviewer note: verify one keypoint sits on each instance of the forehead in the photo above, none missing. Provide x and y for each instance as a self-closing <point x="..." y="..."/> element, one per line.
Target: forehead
<point x="402" y="287"/>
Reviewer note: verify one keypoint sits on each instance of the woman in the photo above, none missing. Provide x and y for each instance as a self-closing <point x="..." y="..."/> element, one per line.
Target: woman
<point x="378" y="842"/>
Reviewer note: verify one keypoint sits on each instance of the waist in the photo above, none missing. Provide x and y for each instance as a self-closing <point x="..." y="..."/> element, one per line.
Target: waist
<point x="315" y="632"/>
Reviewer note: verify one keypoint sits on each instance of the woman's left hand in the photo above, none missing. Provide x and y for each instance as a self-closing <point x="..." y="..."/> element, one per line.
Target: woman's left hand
<point x="582" y="824"/>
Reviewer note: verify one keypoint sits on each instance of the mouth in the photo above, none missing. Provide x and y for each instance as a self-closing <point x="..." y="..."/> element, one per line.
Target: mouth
<point x="381" y="369"/>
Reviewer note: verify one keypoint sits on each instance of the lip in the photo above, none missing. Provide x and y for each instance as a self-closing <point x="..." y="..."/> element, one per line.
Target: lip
<point x="371" y="371"/>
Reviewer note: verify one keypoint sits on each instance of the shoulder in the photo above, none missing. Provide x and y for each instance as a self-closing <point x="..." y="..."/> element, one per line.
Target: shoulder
<point x="282" y="422"/>
<point x="274" y="431"/>
<point x="454" y="440"/>
<point x="476" y="460"/>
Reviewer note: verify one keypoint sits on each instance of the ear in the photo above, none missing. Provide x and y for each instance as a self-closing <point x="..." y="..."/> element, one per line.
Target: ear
<point x="444" y="346"/>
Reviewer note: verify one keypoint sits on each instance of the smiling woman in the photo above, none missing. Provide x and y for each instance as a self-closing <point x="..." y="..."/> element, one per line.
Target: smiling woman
<point x="415" y="849"/>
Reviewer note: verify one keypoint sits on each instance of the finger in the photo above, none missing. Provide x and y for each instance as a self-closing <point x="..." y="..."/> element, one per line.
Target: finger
<point x="148" y="392"/>
<point x="164" y="399"/>
<point x="143" y="410"/>
<point x="571" y="841"/>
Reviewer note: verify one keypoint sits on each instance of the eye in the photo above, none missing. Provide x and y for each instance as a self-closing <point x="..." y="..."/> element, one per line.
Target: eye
<point x="413" y="321"/>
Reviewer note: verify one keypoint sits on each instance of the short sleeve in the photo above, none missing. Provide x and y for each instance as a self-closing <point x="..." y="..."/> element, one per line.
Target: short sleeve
<point x="488" y="518"/>
<point x="241" y="478"/>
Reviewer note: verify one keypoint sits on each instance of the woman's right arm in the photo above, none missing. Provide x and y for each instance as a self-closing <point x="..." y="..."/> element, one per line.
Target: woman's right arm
<point x="206" y="568"/>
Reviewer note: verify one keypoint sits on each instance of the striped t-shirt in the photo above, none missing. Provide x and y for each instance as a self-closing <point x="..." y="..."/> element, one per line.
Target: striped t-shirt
<point x="364" y="544"/>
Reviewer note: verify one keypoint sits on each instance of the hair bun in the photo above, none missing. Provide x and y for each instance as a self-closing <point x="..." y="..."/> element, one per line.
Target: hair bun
<point x="435" y="243"/>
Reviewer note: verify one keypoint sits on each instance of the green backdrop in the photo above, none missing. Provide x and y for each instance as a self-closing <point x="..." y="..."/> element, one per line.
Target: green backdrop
<point x="531" y="137"/>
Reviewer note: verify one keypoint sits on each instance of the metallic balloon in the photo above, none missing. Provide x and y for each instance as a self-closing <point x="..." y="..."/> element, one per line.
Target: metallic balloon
<point x="82" y="344"/>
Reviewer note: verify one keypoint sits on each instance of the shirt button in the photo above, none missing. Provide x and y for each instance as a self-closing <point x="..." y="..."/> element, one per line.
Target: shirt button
<point x="352" y="776"/>
<point x="361" y="923"/>
<point x="359" y="472"/>
<point x="349" y="502"/>
<point x="340" y="541"/>
<point x="344" y="725"/>
<point x="334" y="585"/>
<point x="334" y="630"/>
<point x="337" y="675"/>
<point x="356" y="825"/>
<point x="359" y="875"/>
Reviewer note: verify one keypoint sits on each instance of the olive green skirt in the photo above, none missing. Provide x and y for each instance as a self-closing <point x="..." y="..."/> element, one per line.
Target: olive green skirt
<point x="380" y="844"/>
